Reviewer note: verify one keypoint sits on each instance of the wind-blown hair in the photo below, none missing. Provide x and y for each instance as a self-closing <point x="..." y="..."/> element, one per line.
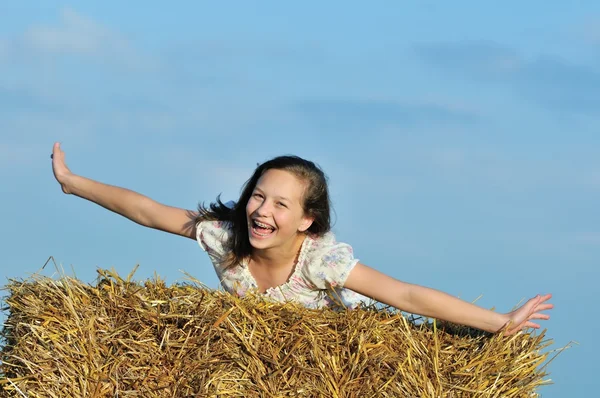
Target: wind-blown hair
<point x="316" y="204"/>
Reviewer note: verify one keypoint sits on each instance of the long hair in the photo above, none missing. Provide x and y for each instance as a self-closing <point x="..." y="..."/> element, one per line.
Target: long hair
<point x="316" y="204"/>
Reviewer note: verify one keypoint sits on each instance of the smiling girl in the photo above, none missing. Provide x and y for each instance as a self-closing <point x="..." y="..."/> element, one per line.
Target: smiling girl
<point x="276" y="240"/>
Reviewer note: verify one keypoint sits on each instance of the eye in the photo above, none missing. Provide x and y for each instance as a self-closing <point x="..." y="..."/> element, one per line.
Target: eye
<point x="281" y="204"/>
<point x="257" y="195"/>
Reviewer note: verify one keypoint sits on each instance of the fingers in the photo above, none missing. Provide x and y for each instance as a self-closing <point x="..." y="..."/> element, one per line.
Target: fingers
<point x="538" y="302"/>
<point x="57" y="156"/>
<point x="525" y="316"/>
<point x="530" y="325"/>
<point x="525" y="325"/>
<point x="58" y="160"/>
<point x="541" y="303"/>
<point x="539" y="316"/>
<point x="544" y="307"/>
<point x="56" y="150"/>
<point x="545" y="297"/>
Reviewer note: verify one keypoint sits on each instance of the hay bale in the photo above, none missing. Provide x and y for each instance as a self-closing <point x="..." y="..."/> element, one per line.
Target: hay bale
<point x="64" y="338"/>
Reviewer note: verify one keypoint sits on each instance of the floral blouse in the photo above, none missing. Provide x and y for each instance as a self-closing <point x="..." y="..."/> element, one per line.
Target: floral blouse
<point x="317" y="281"/>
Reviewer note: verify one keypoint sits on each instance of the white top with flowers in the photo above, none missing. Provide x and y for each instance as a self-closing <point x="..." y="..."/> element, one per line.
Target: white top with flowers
<point x="317" y="281"/>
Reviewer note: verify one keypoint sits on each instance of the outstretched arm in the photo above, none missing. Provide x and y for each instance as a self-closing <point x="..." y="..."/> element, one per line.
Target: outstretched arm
<point x="132" y="205"/>
<point x="433" y="303"/>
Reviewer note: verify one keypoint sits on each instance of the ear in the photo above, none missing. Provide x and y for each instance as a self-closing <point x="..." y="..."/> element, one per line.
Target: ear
<point x="305" y="223"/>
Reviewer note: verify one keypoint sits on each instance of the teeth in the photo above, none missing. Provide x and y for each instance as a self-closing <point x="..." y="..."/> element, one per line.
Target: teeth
<point x="262" y="225"/>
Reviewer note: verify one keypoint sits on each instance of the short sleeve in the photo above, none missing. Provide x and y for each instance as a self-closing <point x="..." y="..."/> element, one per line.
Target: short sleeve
<point x="213" y="237"/>
<point x="328" y="263"/>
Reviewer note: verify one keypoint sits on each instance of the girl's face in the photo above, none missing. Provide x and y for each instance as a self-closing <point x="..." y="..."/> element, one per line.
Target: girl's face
<point x="274" y="212"/>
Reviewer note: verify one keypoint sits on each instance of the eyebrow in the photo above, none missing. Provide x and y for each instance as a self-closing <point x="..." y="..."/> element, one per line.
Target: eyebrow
<point x="256" y="188"/>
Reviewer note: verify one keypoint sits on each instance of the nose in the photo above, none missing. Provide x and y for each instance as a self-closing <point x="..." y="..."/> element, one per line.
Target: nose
<point x="265" y="208"/>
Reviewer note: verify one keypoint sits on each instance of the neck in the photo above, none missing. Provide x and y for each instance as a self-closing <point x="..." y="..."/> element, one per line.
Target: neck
<point x="278" y="257"/>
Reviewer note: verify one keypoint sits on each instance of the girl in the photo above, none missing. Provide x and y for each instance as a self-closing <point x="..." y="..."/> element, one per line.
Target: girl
<point x="276" y="240"/>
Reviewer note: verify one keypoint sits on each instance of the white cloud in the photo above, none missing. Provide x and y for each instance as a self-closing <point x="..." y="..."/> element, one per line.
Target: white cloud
<point x="590" y="29"/>
<point x="27" y="137"/>
<point x="16" y="155"/>
<point x="211" y="173"/>
<point x="73" y="34"/>
<point x="593" y="178"/>
<point x="554" y="82"/>
<point x="4" y="48"/>
<point x="588" y="239"/>
<point x="448" y="158"/>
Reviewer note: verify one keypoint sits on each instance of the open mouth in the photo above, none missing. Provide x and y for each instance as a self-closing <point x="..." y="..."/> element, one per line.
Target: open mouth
<point x="262" y="229"/>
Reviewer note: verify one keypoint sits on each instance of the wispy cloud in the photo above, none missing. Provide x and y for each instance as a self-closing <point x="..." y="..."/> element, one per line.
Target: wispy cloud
<point x="4" y="48"/>
<point x="42" y="99"/>
<point x="16" y="155"/>
<point x="73" y="34"/>
<point x="17" y="99"/>
<point x="367" y="115"/>
<point x="592" y="178"/>
<point x="560" y="85"/>
<point x="479" y="59"/>
<point x="10" y="153"/>
<point x="207" y="170"/>
<point x="590" y="29"/>
<point x="555" y="83"/>
<point x="590" y="238"/>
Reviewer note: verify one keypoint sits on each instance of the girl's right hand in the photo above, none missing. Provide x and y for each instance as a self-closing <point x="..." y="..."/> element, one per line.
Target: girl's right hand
<point x="59" y="168"/>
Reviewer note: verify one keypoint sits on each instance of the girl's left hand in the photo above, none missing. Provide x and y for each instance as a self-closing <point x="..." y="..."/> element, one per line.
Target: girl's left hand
<point x="522" y="317"/>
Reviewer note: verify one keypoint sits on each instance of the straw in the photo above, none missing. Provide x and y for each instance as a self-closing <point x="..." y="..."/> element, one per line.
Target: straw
<point x="120" y="338"/>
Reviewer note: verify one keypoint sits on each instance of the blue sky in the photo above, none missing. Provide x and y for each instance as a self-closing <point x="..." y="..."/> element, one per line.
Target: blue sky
<point x="461" y="140"/>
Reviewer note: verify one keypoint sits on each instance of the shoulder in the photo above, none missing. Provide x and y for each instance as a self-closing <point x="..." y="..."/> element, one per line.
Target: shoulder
<point x="212" y="236"/>
<point x="328" y="262"/>
<point x="327" y="248"/>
